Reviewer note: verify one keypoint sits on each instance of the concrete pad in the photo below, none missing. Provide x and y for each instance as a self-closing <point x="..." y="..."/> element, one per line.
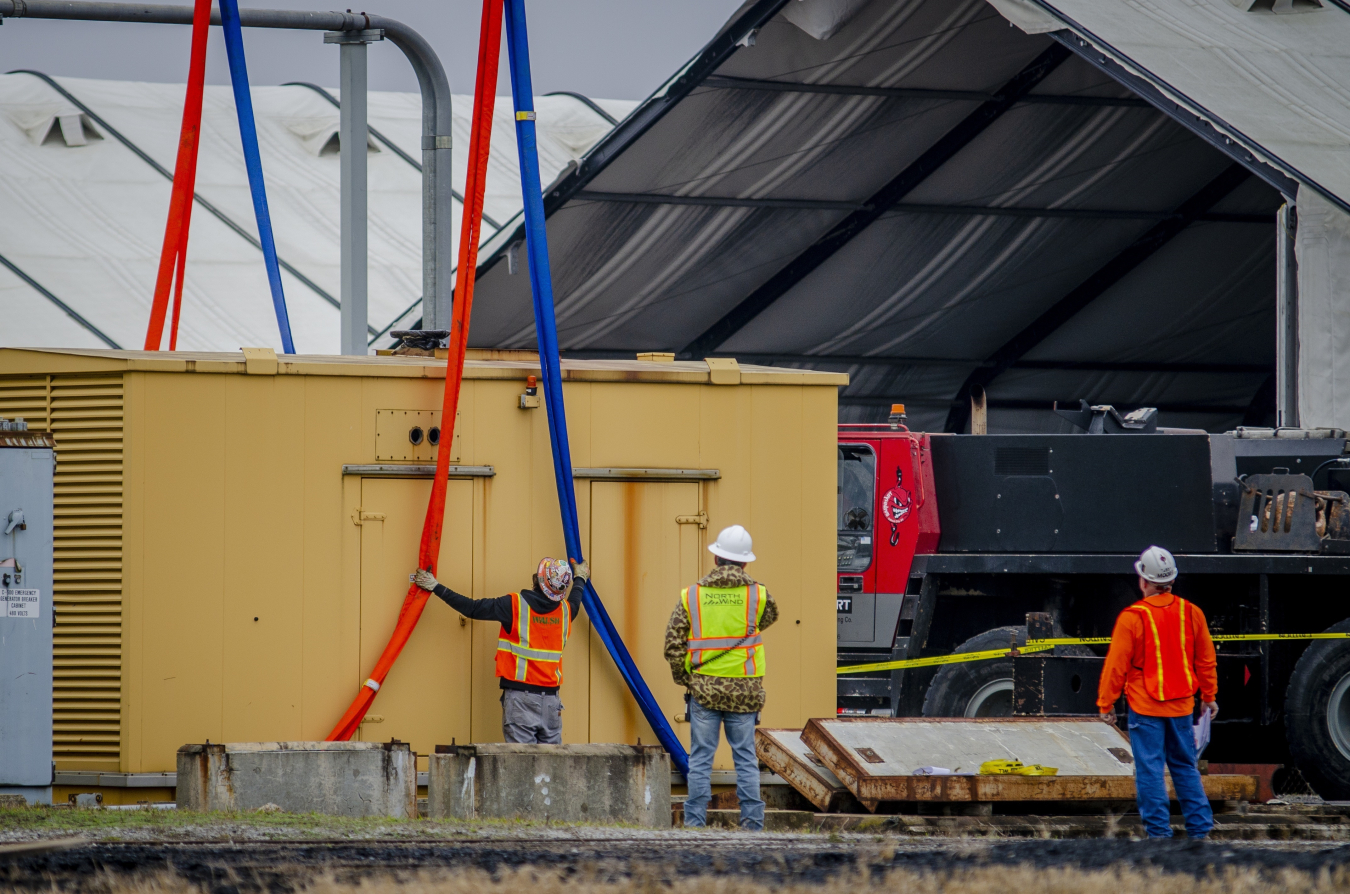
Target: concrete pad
<point x="334" y="778"/>
<point x="556" y="783"/>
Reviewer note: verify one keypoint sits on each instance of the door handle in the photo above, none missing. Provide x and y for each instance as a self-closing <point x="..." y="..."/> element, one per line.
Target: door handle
<point x="360" y="517"/>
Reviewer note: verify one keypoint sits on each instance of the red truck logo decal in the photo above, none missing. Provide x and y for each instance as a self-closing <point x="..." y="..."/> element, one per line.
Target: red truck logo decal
<point x="896" y="505"/>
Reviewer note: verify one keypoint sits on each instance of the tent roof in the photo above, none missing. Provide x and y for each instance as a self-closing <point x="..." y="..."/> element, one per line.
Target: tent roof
<point x="1276" y="82"/>
<point x="84" y="214"/>
<point x="918" y="193"/>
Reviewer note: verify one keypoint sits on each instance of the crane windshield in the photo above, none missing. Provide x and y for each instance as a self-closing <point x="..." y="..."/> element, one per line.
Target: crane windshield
<point x="857" y="497"/>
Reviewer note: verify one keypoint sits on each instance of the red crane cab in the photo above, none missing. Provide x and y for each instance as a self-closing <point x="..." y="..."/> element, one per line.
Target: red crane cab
<point x="887" y="512"/>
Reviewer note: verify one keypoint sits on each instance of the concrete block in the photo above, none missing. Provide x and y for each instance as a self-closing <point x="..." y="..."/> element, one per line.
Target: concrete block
<point x="559" y="783"/>
<point x="334" y="778"/>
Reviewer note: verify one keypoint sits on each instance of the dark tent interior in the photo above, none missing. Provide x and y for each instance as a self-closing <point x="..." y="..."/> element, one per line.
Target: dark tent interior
<point x="929" y="199"/>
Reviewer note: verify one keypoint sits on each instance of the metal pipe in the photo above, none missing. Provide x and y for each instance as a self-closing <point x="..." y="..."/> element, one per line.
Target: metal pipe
<point x="355" y="231"/>
<point x="352" y="136"/>
<point x="437" y="202"/>
<point x="388" y="143"/>
<point x="412" y="162"/>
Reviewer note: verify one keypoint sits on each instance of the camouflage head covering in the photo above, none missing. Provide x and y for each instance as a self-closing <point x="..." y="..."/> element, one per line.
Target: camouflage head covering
<point x="555" y="578"/>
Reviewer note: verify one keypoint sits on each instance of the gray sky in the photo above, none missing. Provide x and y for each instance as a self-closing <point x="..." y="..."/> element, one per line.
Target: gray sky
<point x="615" y="49"/>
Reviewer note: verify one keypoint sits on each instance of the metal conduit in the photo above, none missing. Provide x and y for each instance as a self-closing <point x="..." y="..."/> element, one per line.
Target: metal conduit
<point x="437" y="204"/>
<point x="393" y="147"/>
<point x="168" y="175"/>
<point x="588" y="102"/>
<point x="70" y="311"/>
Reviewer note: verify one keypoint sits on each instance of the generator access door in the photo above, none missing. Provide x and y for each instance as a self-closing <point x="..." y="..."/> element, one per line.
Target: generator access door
<point x="646" y="544"/>
<point x="425" y="700"/>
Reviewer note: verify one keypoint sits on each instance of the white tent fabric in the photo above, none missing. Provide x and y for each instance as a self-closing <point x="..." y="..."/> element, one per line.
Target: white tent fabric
<point x="1280" y="83"/>
<point x="84" y="216"/>
<point x="1322" y="245"/>
<point x="1275" y="78"/>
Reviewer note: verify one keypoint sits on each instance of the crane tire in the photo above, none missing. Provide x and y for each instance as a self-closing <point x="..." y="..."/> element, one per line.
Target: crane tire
<point x="1317" y="715"/>
<point x="982" y="688"/>
<point x="976" y="688"/>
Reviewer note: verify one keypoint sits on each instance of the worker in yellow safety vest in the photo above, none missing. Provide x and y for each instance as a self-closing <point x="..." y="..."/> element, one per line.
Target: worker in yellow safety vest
<point x="535" y="627"/>
<point x="715" y="648"/>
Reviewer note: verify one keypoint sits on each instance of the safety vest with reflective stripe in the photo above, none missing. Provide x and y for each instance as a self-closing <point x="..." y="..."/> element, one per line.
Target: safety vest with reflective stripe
<point x="1169" y="649"/>
<point x="531" y="652"/>
<point x="724" y="637"/>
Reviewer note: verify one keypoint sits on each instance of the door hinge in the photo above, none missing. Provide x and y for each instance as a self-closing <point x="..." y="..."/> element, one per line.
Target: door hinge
<point x="701" y="519"/>
<point x="360" y="517"/>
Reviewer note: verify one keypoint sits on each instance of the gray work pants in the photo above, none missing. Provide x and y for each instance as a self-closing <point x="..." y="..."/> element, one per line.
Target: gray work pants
<point x="530" y="718"/>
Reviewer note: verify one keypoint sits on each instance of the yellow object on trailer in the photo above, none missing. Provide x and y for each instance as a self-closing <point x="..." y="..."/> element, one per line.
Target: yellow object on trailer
<point x="235" y="533"/>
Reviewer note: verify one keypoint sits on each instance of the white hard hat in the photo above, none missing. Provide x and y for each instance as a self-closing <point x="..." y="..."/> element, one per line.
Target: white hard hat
<point x="733" y="544"/>
<point x="1157" y="565"/>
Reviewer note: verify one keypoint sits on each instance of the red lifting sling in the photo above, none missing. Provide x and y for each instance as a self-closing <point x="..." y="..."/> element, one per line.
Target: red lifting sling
<point x="174" y="253"/>
<point x="485" y="94"/>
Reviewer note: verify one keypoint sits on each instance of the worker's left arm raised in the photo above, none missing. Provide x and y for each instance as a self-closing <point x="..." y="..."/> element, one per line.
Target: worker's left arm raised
<point x="581" y="572"/>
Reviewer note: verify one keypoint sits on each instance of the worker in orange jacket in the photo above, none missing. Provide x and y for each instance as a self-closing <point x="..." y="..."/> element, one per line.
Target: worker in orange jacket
<point x="536" y="624"/>
<point x="1160" y="654"/>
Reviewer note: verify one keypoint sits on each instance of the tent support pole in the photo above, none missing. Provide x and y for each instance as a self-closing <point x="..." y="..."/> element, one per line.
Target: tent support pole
<point x="1286" y="317"/>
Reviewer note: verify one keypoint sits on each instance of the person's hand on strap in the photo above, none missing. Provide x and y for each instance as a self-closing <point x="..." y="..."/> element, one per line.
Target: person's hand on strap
<point x="425" y="579"/>
<point x="581" y="571"/>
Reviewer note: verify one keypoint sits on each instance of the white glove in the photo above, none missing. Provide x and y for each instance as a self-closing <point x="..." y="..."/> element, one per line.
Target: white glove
<point x="581" y="571"/>
<point x="425" y="579"/>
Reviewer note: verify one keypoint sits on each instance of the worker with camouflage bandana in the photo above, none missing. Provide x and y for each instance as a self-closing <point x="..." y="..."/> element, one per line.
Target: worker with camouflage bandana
<point x="535" y="628"/>
<point x="715" y="650"/>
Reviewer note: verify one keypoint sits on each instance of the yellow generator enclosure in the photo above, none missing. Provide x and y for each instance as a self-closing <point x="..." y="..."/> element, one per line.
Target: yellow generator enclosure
<point x="235" y="535"/>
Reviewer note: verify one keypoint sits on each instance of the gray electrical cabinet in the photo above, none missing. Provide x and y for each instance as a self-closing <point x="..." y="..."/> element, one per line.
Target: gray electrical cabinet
<point x="27" y="467"/>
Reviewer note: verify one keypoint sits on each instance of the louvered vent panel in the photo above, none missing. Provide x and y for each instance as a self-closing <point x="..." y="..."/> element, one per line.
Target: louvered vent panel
<point x="86" y="418"/>
<point x="85" y="414"/>
<point x="25" y="399"/>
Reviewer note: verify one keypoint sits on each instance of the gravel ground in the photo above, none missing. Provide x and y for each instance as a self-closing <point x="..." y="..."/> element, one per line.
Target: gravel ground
<point x="123" y="852"/>
<point x="615" y="855"/>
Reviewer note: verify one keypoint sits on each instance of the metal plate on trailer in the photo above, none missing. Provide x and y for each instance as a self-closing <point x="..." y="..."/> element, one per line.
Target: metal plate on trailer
<point x="1093" y="758"/>
<point x="1077" y="747"/>
<point x="783" y="751"/>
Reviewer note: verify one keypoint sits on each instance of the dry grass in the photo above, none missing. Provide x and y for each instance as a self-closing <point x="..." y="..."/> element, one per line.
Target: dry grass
<point x="599" y="879"/>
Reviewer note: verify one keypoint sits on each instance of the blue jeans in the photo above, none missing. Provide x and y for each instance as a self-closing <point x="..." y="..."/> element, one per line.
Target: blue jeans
<point x="704" y="728"/>
<point x="1167" y="740"/>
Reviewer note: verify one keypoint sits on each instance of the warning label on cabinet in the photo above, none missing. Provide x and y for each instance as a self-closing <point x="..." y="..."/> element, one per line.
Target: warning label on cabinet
<point x="20" y="603"/>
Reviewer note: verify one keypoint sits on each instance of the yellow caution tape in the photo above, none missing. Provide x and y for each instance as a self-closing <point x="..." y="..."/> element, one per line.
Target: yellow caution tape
<point x="1257" y="637"/>
<point x="1042" y="645"/>
<point x="935" y="660"/>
